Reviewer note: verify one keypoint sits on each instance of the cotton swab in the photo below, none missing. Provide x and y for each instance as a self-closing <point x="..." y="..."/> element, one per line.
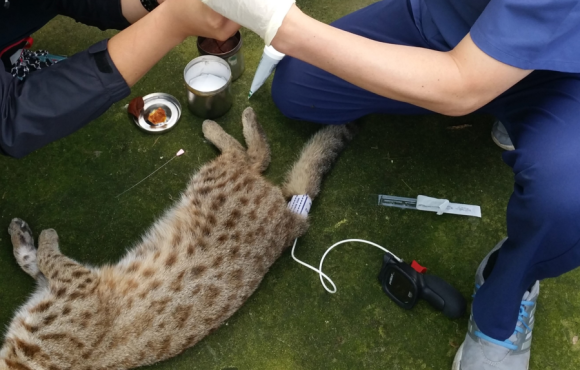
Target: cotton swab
<point x="180" y="152"/>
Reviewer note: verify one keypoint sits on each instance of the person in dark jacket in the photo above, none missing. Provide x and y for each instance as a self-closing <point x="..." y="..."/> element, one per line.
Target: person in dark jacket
<point x="50" y="103"/>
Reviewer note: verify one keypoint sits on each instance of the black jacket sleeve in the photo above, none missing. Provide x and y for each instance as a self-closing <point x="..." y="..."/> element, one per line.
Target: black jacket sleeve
<point x="55" y="102"/>
<point x="105" y="14"/>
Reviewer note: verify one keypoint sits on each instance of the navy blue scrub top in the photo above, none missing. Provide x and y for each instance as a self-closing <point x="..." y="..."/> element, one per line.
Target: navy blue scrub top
<point x="528" y="34"/>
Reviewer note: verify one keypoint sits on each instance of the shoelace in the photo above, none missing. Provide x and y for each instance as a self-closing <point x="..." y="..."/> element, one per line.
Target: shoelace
<point x="519" y="329"/>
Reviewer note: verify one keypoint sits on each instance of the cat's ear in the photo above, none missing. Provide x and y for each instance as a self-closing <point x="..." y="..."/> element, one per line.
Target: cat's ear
<point x="218" y="137"/>
<point x="258" y="148"/>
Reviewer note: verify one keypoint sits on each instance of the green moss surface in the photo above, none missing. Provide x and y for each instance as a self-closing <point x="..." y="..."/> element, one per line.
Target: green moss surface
<point x="290" y="322"/>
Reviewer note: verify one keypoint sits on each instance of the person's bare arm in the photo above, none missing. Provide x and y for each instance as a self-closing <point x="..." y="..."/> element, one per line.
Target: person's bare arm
<point x="133" y="10"/>
<point x="453" y="83"/>
<point x="137" y="48"/>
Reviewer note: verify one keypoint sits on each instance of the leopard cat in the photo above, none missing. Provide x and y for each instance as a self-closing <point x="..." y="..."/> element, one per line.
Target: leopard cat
<point x="190" y="272"/>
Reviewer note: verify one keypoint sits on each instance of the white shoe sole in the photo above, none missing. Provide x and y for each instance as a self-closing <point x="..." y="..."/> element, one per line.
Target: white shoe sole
<point x="503" y="146"/>
<point x="457" y="360"/>
<point x="459" y="355"/>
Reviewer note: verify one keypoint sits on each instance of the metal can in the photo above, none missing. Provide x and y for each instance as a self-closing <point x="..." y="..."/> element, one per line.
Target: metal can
<point x="234" y="56"/>
<point x="208" y="80"/>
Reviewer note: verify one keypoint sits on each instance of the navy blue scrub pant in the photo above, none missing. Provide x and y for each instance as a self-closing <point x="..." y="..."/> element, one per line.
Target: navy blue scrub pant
<point x="542" y="116"/>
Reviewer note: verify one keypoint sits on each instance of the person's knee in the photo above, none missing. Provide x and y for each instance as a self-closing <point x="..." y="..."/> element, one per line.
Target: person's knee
<point x="11" y="147"/>
<point x="304" y="92"/>
<point x="284" y="92"/>
<point x="549" y="188"/>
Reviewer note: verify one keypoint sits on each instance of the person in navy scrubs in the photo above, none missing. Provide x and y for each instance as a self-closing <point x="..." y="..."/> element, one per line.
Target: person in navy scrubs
<point x="518" y="60"/>
<point x="40" y="104"/>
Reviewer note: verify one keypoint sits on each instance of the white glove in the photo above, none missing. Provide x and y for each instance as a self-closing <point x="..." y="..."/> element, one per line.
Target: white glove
<point x="264" y="17"/>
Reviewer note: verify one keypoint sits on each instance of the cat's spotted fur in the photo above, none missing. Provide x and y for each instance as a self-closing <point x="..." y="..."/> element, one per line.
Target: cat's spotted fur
<point x="192" y="270"/>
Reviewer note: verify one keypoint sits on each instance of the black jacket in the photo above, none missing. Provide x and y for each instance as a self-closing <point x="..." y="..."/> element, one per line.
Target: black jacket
<point x="54" y="102"/>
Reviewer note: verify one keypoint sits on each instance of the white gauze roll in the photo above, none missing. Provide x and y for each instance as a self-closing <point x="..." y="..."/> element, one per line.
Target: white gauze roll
<point x="264" y="17"/>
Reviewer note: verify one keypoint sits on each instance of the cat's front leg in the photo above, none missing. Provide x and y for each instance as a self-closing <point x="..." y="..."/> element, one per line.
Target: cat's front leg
<point x="23" y="247"/>
<point x="53" y="264"/>
<point x="221" y="139"/>
<point x="258" y="148"/>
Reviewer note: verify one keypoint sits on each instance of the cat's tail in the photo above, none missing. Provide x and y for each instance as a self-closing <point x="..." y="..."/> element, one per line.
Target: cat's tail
<point x="316" y="159"/>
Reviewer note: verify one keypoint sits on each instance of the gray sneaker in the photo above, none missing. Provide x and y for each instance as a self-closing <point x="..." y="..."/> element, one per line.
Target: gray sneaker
<point x="480" y="352"/>
<point x="500" y="136"/>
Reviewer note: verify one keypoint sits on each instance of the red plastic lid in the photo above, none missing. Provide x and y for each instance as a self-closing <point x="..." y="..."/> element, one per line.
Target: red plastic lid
<point x="417" y="267"/>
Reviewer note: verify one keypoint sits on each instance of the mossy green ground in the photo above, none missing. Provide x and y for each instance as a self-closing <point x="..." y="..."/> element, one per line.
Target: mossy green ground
<point x="290" y="322"/>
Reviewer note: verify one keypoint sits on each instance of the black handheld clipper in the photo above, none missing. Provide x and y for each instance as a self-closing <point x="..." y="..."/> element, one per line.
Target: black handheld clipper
<point x="405" y="284"/>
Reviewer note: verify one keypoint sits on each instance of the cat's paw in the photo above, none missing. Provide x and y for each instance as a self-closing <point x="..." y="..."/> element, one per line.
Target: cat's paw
<point x="210" y="128"/>
<point x="23" y="243"/>
<point x="48" y="236"/>
<point x="20" y="233"/>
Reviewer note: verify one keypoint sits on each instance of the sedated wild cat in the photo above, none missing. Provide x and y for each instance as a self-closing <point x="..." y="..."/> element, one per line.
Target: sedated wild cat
<point x="192" y="270"/>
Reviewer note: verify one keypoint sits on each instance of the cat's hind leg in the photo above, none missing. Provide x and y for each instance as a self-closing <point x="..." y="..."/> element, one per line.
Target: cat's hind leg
<point x="23" y="247"/>
<point x="258" y="148"/>
<point x="221" y="139"/>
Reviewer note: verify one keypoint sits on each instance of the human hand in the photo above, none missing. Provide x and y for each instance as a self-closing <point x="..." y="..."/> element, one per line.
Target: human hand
<point x="193" y="18"/>
<point x="264" y="17"/>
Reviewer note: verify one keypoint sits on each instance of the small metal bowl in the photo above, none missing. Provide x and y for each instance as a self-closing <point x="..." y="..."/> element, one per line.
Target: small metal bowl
<point x="170" y="105"/>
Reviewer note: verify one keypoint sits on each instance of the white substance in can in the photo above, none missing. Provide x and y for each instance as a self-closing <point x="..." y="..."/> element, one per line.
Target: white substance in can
<point x="207" y="82"/>
<point x="208" y="75"/>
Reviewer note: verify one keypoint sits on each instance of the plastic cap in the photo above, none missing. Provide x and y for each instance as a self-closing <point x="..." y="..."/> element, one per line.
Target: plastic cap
<point x="273" y="53"/>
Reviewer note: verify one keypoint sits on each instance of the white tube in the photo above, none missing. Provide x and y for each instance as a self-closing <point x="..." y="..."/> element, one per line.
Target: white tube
<point x="270" y="59"/>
